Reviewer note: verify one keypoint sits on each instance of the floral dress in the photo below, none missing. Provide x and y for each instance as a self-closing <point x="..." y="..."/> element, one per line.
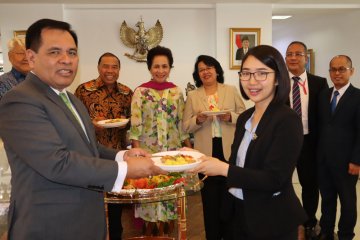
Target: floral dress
<point x="156" y="124"/>
<point x="156" y="120"/>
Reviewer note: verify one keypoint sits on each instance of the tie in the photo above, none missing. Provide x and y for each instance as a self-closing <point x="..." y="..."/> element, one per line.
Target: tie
<point x="68" y="104"/>
<point x="333" y="101"/>
<point x="296" y="96"/>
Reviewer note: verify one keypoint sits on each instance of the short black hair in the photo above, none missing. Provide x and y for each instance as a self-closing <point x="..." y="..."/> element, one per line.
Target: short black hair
<point x="159" y="51"/>
<point x="348" y="59"/>
<point x="298" y="42"/>
<point x="108" y="54"/>
<point x="33" y="39"/>
<point x="210" y="62"/>
<point x="245" y="38"/>
<point x="273" y="59"/>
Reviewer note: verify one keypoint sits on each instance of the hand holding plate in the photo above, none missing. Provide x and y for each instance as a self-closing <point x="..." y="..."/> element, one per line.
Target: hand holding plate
<point x="212" y="167"/>
<point x="200" y="118"/>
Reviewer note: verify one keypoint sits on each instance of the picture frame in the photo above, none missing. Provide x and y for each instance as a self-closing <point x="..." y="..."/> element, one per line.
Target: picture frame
<point x="237" y="37"/>
<point x="20" y="33"/>
<point x="310" y="65"/>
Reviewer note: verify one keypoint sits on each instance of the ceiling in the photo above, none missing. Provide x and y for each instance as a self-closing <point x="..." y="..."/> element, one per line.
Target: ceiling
<point x="317" y="2"/>
<point x="297" y="8"/>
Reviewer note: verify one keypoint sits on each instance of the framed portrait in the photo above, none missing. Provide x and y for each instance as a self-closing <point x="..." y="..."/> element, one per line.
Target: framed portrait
<point x="310" y="66"/>
<point x="20" y="33"/>
<point x="241" y="40"/>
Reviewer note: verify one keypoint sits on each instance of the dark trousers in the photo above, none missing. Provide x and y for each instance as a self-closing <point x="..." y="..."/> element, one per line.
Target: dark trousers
<point x="335" y="182"/>
<point x="307" y="173"/>
<point x="237" y="227"/>
<point x="115" y="227"/>
<point x="212" y="194"/>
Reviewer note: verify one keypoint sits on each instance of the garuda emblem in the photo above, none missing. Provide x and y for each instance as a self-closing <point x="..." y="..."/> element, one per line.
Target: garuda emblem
<point x="141" y="40"/>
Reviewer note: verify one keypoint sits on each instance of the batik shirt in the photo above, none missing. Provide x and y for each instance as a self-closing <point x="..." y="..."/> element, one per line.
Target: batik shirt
<point x="103" y="104"/>
<point x="9" y="80"/>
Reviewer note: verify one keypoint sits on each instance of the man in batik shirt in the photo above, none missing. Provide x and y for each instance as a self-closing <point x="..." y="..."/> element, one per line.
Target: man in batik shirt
<point x="105" y="98"/>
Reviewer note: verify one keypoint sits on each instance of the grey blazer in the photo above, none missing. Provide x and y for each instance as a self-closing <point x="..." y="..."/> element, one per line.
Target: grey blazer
<point x="58" y="172"/>
<point x="196" y="102"/>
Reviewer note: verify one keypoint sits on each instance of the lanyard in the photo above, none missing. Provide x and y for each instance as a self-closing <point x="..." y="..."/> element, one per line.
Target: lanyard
<point x="303" y="86"/>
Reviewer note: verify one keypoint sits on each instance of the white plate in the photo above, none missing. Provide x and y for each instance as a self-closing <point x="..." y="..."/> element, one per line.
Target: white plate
<point x="107" y="124"/>
<point x="177" y="168"/>
<point x="214" y="113"/>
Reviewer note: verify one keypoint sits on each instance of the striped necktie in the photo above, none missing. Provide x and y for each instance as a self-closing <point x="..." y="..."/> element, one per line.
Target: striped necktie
<point x="296" y="95"/>
<point x="66" y="100"/>
<point x="334" y="101"/>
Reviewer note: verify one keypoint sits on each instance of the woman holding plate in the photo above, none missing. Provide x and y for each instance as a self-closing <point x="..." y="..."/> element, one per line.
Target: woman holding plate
<point x="210" y="114"/>
<point x="261" y="202"/>
<point x="156" y="114"/>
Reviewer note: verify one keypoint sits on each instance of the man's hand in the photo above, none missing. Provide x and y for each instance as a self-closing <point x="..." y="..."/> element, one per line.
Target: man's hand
<point x="140" y="164"/>
<point x="354" y="169"/>
<point x="96" y="125"/>
<point x="136" y="152"/>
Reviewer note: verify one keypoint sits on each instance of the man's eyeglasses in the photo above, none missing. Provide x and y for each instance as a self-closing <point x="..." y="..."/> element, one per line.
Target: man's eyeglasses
<point x="258" y="76"/>
<point x="340" y="69"/>
<point x="22" y="54"/>
<point x="202" y="70"/>
<point x="295" y="54"/>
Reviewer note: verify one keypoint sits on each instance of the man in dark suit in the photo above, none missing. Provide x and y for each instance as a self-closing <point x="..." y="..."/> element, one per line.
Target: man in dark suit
<point x="240" y="52"/>
<point x="308" y="86"/>
<point x="339" y="150"/>
<point x="59" y="171"/>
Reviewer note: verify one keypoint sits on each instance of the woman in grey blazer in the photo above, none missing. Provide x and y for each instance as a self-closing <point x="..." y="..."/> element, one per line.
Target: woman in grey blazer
<point x="261" y="202"/>
<point x="213" y="134"/>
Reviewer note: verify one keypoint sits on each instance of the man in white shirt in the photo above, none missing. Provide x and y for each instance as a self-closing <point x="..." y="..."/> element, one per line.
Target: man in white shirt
<point x="339" y="150"/>
<point x="308" y="86"/>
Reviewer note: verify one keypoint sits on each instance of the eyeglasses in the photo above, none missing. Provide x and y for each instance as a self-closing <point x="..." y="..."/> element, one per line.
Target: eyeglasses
<point x="258" y="76"/>
<point x="295" y="54"/>
<point x="340" y="69"/>
<point x="202" y="70"/>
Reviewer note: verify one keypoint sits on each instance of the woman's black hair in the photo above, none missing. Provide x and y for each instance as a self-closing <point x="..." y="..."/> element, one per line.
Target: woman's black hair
<point x="210" y="62"/>
<point x="273" y="59"/>
<point x="159" y="51"/>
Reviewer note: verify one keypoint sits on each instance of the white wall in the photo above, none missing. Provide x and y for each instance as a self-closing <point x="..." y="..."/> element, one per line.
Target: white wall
<point x="19" y="17"/>
<point x="240" y="16"/>
<point x="187" y="33"/>
<point x="189" y="30"/>
<point x="328" y="35"/>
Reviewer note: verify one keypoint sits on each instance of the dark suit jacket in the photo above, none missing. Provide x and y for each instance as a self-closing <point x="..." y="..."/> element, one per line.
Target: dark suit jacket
<point x="269" y="165"/>
<point x="339" y="141"/>
<point x="316" y="85"/>
<point x="58" y="175"/>
<point x="240" y="54"/>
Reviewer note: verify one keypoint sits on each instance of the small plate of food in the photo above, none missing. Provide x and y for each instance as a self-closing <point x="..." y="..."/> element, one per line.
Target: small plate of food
<point x="112" y="123"/>
<point x="214" y="113"/>
<point x="177" y="161"/>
